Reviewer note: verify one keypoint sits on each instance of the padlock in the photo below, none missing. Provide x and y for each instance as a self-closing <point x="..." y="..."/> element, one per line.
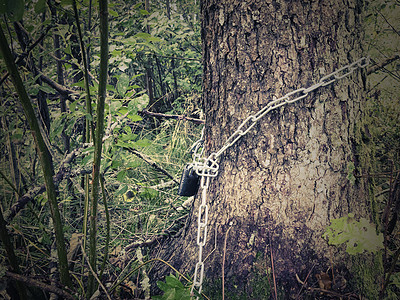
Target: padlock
<point x="190" y="181"/>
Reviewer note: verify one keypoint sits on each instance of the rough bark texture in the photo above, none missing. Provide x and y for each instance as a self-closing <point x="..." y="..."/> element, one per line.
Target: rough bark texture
<point x="279" y="186"/>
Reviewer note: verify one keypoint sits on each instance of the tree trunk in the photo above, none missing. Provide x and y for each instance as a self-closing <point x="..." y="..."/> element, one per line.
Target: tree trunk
<point x="280" y="185"/>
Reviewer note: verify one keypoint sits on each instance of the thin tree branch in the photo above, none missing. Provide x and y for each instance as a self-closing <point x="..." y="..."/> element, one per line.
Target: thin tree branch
<point x="386" y="20"/>
<point x="61" y="174"/>
<point x="382" y="64"/>
<point x="63" y="90"/>
<point x="107" y="242"/>
<point x="177" y="117"/>
<point x="94" y="273"/>
<point x="150" y="162"/>
<point x="39" y="284"/>
<point x="9" y="182"/>
<point x="88" y="102"/>
<point x="70" y="63"/>
<point x="28" y="50"/>
<point x="12" y="258"/>
<point x="173" y="228"/>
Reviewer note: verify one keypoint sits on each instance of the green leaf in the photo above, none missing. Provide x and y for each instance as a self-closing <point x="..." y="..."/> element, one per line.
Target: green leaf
<point x="138" y="104"/>
<point x="358" y="236"/>
<point x="133" y="164"/>
<point x="72" y="106"/>
<point x="149" y="193"/>
<point x="172" y="281"/>
<point x="128" y="129"/>
<point x="116" y="163"/>
<point x="121" y="175"/>
<point x="65" y="3"/>
<point x="135" y="118"/>
<point x="123" y="110"/>
<point x="40" y="6"/>
<point x="125" y="145"/>
<point x="46" y="89"/>
<point x="87" y="159"/>
<point x="128" y="137"/>
<point x="148" y="37"/>
<point x="123" y="84"/>
<point x="113" y="13"/>
<point x="173" y="289"/>
<point x="142" y="143"/>
<point x="122" y="190"/>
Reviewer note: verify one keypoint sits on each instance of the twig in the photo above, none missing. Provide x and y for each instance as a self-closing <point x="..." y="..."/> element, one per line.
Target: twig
<point x="272" y="260"/>
<point x="386" y="20"/>
<point x="382" y="64"/>
<point x="31" y="194"/>
<point x="29" y="49"/>
<point x="59" y="88"/>
<point x="41" y="285"/>
<point x="215" y="243"/>
<point x="157" y="238"/>
<point x="142" y="265"/>
<point x="150" y="162"/>
<point x="223" y="263"/>
<point x="305" y="281"/>
<point x="107" y="242"/>
<point x="93" y="273"/>
<point x="394" y="261"/>
<point x="177" y="117"/>
<point x="332" y="293"/>
<point x="9" y="182"/>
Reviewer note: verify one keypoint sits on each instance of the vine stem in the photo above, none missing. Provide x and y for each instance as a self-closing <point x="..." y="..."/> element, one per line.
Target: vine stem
<point x="98" y="139"/>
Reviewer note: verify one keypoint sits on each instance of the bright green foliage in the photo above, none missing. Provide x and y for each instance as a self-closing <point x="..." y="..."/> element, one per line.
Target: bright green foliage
<point x="173" y="289"/>
<point x="359" y="236"/>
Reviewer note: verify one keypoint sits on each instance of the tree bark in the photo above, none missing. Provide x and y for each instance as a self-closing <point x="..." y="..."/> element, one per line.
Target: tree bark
<point x="280" y="185"/>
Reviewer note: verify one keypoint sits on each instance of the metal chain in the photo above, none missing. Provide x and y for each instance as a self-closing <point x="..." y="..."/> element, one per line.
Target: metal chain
<point x="202" y="221"/>
<point x="208" y="167"/>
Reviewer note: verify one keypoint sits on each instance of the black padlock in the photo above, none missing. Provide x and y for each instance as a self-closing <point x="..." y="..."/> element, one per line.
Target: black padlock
<point x="190" y="182"/>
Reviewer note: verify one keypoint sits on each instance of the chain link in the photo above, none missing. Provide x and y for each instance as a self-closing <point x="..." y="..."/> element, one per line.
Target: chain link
<point x="202" y="221"/>
<point x="208" y="167"/>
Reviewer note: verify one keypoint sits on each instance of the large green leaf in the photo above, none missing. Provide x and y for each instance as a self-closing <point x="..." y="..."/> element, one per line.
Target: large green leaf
<point x="359" y="236"/>
<point x="138" y="104"/>
<point x="123" y="84"/>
